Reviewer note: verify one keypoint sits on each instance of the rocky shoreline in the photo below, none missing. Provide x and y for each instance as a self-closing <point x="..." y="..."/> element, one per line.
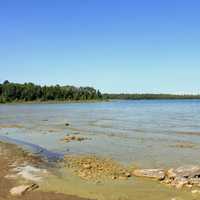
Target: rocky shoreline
<point x="93" y="168"/>
<point x="22" y="174"/>
<point x="184" y="176"/>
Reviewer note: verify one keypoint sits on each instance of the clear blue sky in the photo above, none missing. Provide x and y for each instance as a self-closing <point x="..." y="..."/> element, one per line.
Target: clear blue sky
<point x="112" y="45"/>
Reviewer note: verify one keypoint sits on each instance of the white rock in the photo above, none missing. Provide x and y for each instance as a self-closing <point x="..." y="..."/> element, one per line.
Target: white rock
<point x="22" y="189"/>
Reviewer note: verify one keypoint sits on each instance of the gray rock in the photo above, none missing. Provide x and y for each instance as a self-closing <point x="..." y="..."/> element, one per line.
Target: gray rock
<point x="190" y="171"/>
<point x="158" y="174"/>
<point x="184" y="176"/>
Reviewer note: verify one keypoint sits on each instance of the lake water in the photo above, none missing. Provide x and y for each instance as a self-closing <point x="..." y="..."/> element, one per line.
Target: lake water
<point x="147" y="133"/>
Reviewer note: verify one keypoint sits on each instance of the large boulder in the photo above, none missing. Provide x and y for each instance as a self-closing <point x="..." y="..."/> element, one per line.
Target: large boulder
<point x="158" y="174"/>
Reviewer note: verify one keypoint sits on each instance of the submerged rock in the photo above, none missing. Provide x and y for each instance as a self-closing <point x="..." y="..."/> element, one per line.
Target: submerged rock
<point x="158" y="174"/>
<point x="94" y="168"/>
<point x="69" y="138"/>
<point x="22" y="189"/>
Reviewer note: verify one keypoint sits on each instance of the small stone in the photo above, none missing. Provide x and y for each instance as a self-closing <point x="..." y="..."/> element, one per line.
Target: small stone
<point x="83" y="175"/>
<point x="87" y="166"/>
<point x="127" y="174"/>
<point x="66" y="124"/>
<point x="79" y="139"/>
<point x="114" y="177"/>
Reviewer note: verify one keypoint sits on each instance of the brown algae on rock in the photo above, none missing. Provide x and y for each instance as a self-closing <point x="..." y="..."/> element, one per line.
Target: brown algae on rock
<point x="69" y="138"/>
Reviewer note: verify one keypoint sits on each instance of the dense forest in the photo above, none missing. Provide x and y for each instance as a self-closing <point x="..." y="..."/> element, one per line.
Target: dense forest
<point x="13" y="92"/>
<point x="17" y="92"/>
<point x="149" y="96"/>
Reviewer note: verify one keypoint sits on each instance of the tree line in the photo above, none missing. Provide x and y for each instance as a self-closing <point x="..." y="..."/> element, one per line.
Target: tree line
<point x="11" y="92"/>
<point x="149" y="96"/>
<point x="14" y="92"/>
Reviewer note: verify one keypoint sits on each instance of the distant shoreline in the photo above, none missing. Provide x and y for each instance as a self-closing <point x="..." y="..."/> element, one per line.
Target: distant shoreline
<point x="54" y="102"/>
<point x="150" y="96"/>
<point x="30" y="93"/>
<point x="89" y="101"/>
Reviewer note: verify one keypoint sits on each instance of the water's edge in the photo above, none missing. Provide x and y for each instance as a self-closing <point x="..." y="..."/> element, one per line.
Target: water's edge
<point x="33" y="148"/>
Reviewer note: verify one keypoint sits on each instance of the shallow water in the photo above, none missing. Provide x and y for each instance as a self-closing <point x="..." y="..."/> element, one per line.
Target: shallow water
<point x="132" y="189"/>
<point x="147" y="133"/>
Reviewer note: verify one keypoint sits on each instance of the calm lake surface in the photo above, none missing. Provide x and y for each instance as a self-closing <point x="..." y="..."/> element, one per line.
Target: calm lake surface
<point x="147" y="133"/>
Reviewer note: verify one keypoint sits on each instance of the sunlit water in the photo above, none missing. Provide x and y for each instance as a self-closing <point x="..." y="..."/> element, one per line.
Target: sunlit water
<point x="146" y="133"/>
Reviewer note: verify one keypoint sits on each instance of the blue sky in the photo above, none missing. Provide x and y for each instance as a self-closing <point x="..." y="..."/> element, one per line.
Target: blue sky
<point x="112" y="45"/>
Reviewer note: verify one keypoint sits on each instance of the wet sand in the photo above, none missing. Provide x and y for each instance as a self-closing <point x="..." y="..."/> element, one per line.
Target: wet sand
<point x="9" y="155"/>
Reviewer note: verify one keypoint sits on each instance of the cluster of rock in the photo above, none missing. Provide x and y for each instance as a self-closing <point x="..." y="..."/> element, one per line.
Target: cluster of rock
<point x="188" y="176"/>
<point x="69" y="138"/>
<point x="93" y="168"/>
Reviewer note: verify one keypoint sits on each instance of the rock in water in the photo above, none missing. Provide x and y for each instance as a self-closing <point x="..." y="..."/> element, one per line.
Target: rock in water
<point x="158" y="174"/>
<point x="190" y="171"/>
<point x="22" y="189"/>
<point x="69" y="138"/>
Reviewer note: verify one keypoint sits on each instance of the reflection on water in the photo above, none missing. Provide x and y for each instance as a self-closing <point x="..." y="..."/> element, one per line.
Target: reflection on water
<point x="145" y="133"/>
